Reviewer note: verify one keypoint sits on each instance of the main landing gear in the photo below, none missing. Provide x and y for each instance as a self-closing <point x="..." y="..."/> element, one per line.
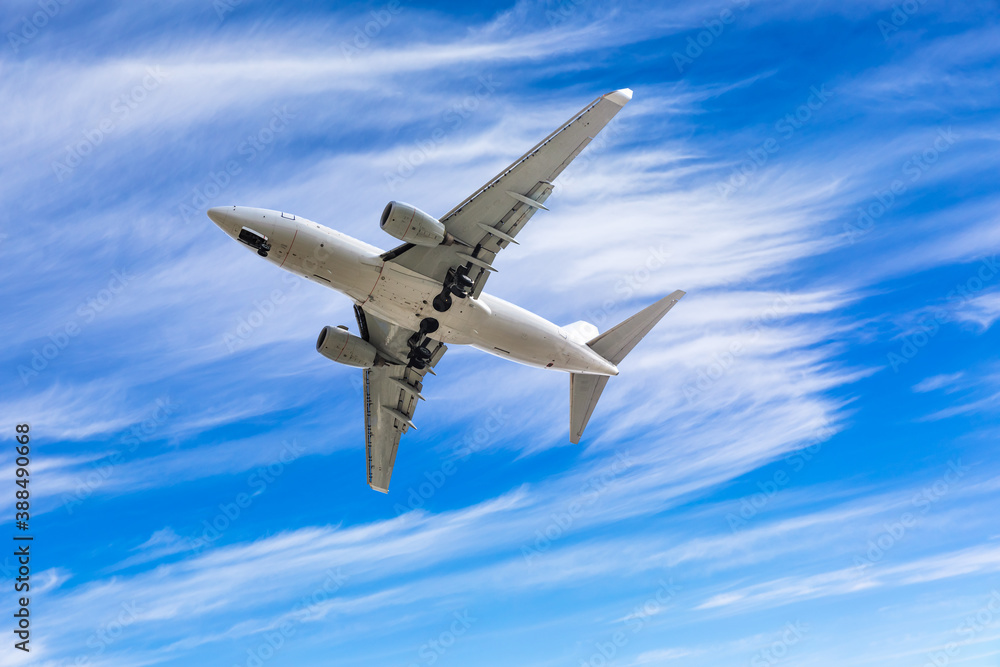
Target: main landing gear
<point x="420" y="354"/>
<point x="457" y="282"/>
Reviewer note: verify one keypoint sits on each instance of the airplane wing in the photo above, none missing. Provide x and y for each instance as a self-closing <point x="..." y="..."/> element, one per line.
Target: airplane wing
<point x="490" y="219"/>
<point x="392" y="390"/>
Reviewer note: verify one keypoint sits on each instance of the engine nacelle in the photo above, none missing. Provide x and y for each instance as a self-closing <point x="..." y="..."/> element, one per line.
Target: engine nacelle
<point x="412" y="225"/>
<point x="336" y="344"/>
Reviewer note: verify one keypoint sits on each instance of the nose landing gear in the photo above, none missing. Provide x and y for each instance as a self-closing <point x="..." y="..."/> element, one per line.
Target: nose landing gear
<point x="255" y="240"/>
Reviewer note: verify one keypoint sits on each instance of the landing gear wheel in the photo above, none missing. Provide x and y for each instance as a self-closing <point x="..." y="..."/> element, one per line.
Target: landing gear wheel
<point x="462" y="284"/>
<point x="262" y="252"/>
<point x="420" y="356"/>
<point x="442" y="302"/>
<point x="458" y="283"/>
<point x="428" y="325"/>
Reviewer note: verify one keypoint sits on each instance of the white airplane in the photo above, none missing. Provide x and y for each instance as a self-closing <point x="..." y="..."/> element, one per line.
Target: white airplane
<point x="414" y="299"/>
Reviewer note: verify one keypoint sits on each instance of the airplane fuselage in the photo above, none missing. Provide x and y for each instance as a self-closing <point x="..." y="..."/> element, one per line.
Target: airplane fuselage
<point x="403" y="297"/>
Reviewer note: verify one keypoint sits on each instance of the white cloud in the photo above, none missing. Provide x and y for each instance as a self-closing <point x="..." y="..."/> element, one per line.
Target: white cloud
<point x="945" y="381"/>
<point x="983" y="310"/>
<point x="760" y="337"/>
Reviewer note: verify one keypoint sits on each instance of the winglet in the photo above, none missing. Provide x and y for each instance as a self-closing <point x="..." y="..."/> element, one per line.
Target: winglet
<point x="620" y="97"/>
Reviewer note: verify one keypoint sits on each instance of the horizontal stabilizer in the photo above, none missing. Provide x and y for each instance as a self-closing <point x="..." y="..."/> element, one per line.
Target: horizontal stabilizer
<point x="613" y="345"/>
<point x="584" y="391"/>
<point x="618" y="341"/>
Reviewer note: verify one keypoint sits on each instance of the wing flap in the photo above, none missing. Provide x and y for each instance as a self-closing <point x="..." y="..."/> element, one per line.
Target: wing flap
<point x="392" y="391"/>
<point x="571" y="157"/>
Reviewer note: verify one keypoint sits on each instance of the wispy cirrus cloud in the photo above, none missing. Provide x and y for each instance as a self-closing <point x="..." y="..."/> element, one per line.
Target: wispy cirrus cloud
<point x="768" y="354"/>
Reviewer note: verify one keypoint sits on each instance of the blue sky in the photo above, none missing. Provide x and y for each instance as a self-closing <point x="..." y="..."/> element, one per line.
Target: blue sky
<point x="796" y="467"/>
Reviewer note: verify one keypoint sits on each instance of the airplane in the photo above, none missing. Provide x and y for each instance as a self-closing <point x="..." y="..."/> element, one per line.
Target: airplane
<point x="412" y="301"/>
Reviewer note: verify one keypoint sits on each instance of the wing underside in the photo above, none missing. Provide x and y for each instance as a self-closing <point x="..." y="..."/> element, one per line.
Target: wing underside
<point x="491" y="218"/>
<point x="391" y="392"/>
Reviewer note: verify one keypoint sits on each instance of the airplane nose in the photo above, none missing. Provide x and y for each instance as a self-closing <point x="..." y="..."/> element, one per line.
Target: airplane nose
<point x="220" y="215"/>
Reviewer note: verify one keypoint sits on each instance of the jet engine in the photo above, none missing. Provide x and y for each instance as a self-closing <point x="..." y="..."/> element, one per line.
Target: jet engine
<point x="412" y="225"/>
<point x="336" y="344"/>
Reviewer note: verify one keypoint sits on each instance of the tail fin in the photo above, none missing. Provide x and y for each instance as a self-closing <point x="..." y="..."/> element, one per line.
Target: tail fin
<point x="613" y="345"/>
